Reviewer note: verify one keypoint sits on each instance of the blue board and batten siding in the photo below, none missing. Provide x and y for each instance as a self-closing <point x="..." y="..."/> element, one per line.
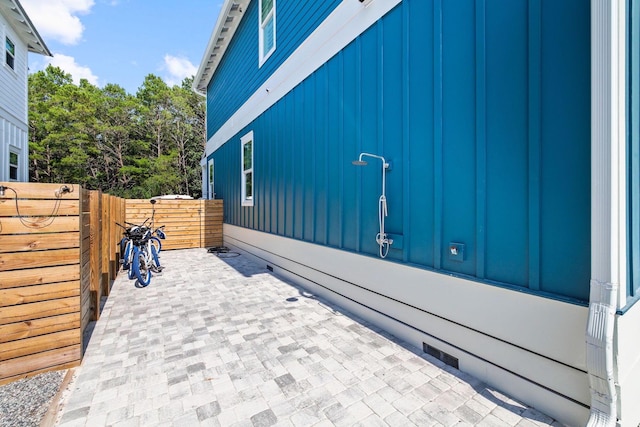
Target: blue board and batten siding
<point x="238" y="75"/>
<point x="483" y="108"/>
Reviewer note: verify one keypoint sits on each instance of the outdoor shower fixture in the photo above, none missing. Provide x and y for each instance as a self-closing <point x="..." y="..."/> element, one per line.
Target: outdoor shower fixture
<point x="381" y="238"/>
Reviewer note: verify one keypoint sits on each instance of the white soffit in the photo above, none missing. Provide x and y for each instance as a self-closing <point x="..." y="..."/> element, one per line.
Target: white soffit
<point x="16" y="16"/>
<point x="226" y="26"/>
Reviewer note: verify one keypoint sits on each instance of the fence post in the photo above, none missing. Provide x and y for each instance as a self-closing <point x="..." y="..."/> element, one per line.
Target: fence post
<point x="85" y="264"/>
<point x="202" y="211"/>
<point x="112" y="237"/>
<point x="104" y="245"/>
<point x="95" y="232"/>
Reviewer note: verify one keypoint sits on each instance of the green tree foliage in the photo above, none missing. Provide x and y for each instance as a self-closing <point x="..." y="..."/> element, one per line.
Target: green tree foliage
<point x="140" y="145"/>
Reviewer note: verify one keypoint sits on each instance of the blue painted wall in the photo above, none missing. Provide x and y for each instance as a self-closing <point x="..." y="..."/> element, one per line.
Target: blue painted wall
<point x="238" y="76"/>
<point x="484" y="109"/>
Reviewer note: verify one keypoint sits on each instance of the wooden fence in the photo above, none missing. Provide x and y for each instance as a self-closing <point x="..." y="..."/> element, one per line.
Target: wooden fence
<point x="45" y="277"/>
<point x="188" y="223"/>
<point x="59" y="255"/>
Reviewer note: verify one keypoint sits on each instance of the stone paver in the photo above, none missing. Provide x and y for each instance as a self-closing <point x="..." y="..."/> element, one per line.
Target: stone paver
<point x="223" y="342"/>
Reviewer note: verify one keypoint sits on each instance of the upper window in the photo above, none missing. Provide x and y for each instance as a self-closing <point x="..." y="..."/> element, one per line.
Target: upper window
<point x="13" y="166"/>
<point x="267" y="29"/>
<point x="246" y="143"/>
<point x="11" y="53"/>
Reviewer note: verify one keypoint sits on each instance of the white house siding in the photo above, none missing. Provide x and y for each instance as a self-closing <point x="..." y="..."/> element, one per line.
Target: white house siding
<point x="13" y="105"/>
<point x="13" y="137"/>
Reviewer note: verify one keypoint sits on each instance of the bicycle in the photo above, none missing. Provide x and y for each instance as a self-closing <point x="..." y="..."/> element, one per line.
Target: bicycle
<point x="140" y="255"/>
<point x="126" y="244"/>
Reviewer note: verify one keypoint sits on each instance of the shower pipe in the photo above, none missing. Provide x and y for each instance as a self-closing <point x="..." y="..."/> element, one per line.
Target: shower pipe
<point x="381" y="238"/>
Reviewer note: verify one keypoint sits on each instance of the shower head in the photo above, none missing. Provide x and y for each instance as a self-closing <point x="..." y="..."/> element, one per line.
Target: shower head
<point x="359" y="163"/>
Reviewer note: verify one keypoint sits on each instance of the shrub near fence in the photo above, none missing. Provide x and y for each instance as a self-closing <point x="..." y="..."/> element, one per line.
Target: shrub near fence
<point x="188" y="223"/>
<point x="49" y="287"/>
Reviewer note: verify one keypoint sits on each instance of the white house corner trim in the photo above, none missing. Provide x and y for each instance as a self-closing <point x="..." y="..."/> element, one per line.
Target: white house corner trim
<point x="608" y="204"/>
<point x="348" y="21"/>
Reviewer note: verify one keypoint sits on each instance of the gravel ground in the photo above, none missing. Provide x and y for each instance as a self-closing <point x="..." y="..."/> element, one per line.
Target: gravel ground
<point x="25" y="402"/>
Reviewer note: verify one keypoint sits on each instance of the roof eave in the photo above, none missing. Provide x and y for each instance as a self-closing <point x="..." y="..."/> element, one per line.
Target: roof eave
<point x="226" y="26"/>
<point x="20" y="22"/>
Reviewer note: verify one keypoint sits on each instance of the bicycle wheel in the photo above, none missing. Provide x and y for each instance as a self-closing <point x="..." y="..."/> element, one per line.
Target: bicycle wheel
<point x="155" y="242"/>
<point x="154" y="258"/>
<point x="131" y="253"/>
<point x="125" y="253"/>
<point x="141" y="267"/>
<point x="123" y="244"/>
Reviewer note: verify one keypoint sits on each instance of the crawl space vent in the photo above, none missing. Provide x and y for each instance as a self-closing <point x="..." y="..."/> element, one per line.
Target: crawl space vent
<point x="440" y="355"/>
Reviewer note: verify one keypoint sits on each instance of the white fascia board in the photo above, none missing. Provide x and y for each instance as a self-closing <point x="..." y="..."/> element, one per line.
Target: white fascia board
<point x="229" y="17"/>
<point x="349" y="20"/>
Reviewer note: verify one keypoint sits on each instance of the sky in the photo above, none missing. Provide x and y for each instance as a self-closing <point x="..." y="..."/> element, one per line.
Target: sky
<point x="122" y="41"/>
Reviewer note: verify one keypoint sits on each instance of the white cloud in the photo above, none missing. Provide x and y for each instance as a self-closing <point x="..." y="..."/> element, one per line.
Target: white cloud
<point x="57" y="19"/>
<point x="69" y="65"/>
<point x="178" y="69"/>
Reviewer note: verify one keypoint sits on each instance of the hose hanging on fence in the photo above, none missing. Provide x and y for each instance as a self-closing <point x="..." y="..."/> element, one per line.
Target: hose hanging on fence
<point x="44" y="221"/>
<point x="223" y="252"/>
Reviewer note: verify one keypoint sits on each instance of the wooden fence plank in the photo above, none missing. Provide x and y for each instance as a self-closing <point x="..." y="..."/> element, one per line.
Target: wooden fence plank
<point x="27" y="190"/>
<point x="38" y="310"/>
<point x="21" y="366"/>
<point x="36" y="242"/>
<point x="36" y="327"/>
<point x="37" y="276"/>
<point x="33" y="373"/>
<point x="58" y="224"/>
<point x="20" y="260"/>
<point x="32" y="207"/>
<point x="145" y="212"/>
<point x="29" y="294"/>
<point x="38" y="344"/>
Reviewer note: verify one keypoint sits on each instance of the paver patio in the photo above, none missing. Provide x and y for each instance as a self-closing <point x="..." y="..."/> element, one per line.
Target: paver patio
<point x="224" y="342"/>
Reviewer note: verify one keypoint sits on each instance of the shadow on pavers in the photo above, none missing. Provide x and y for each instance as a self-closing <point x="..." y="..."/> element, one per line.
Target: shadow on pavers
<point x="249" y="268"/>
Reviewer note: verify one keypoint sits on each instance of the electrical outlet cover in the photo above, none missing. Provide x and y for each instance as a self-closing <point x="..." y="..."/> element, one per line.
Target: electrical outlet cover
<point x="456" y="251"/>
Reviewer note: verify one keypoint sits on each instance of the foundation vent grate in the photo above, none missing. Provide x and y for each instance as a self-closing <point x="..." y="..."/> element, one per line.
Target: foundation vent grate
<point x="440" y="355"/>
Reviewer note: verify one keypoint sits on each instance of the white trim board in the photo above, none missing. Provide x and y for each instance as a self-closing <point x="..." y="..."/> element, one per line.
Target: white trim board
<point x="341" y="27"/>
<point x="627" y="351"/>
<point x="358" y="283"/>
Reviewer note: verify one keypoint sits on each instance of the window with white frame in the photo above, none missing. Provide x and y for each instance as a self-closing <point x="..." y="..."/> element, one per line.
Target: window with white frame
<point x="267" y="29"/>
<point x="210" y="179"/>
<point x="13" y="165"/>
<point x="10" y="56"/>
<point x="246" y="144"/>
